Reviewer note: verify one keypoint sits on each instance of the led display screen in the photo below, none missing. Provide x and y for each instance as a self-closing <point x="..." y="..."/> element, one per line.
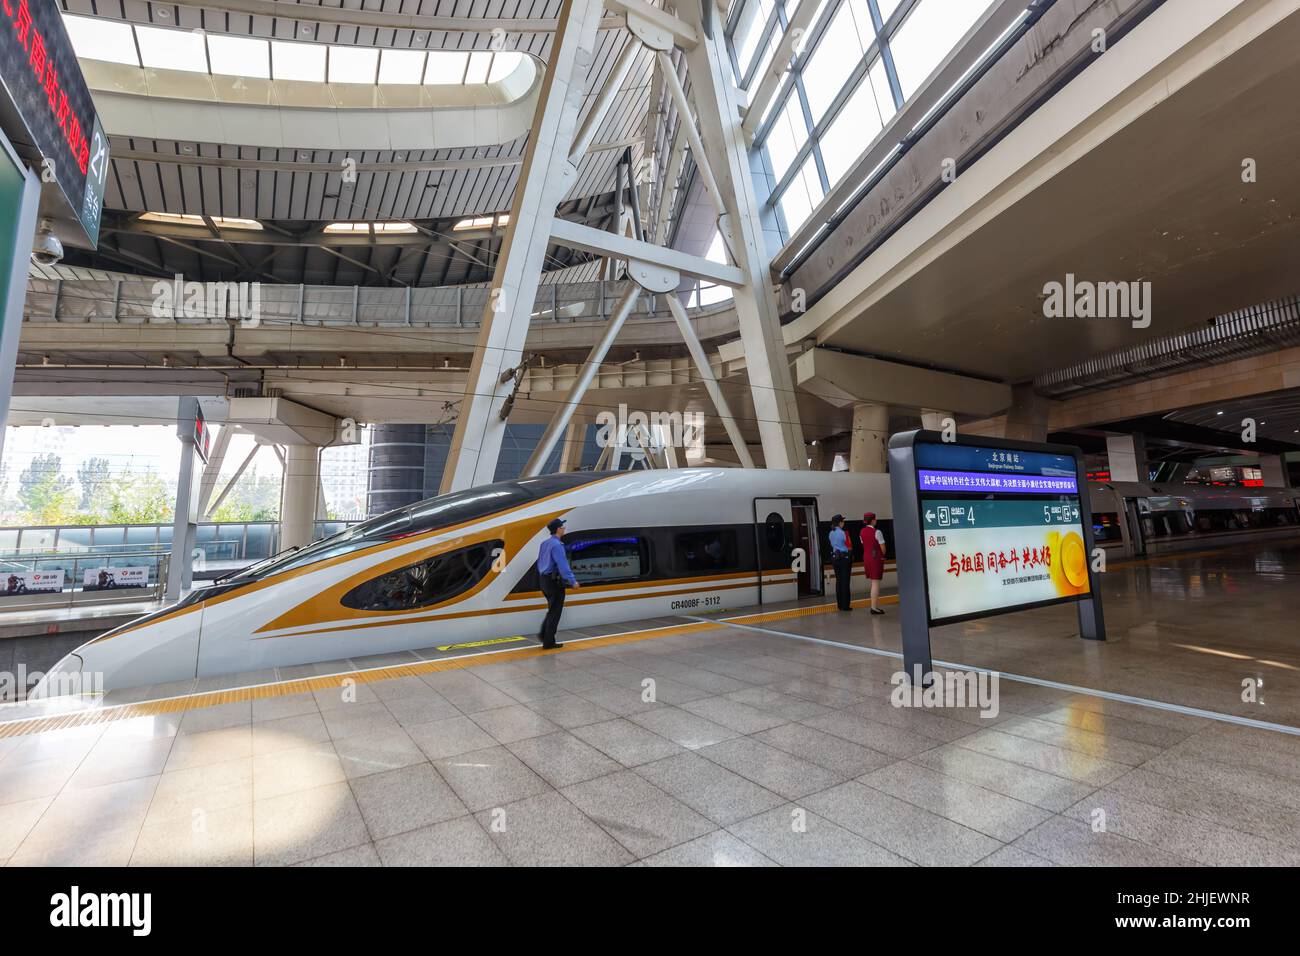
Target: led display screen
<point x="1001" y="530"/>
<point x="45" y="89"/>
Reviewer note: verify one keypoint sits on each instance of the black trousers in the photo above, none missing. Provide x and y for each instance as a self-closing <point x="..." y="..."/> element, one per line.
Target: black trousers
<point x="553" y="590"/>
<point x="843" y="566"/>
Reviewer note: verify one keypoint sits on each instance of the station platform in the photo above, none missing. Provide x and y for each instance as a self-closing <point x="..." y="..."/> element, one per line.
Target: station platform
<point x="770" y="738"/>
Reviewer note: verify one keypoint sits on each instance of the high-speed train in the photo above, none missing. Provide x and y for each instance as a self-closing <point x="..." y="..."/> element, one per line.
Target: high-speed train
<point x="1169" y="517"/>
<point x="460" y="568"/>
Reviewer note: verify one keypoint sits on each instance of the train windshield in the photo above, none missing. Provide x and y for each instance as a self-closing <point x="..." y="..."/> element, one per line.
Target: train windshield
<point x="431" y="514"/>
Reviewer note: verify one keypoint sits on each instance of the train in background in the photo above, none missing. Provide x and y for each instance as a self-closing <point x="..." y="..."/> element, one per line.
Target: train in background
<point x="460" y="568"/>
<point x="1144" y="517"/>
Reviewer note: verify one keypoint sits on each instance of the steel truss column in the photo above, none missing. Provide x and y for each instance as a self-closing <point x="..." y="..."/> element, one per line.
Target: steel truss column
<point x="544" y="180"/>
<point x="560" y="421"/>
<point x="711" y="385"/>
<point x="717" y="107"/>
<point x="212" y="470"/>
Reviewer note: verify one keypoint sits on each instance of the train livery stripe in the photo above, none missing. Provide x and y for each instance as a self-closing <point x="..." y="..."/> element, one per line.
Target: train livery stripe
<point x="481" y="612"/>
<point x="199" y="701"/>
<point x="350" y="556"/>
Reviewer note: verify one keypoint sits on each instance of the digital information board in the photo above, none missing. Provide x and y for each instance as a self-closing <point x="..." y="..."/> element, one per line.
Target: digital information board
<point x="43" y="91"/>
<point x="985" y="527"/>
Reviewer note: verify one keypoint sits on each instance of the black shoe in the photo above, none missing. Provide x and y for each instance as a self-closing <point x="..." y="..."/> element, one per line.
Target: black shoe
<point x="876" y="610"/>
<point x="551" y="647"/>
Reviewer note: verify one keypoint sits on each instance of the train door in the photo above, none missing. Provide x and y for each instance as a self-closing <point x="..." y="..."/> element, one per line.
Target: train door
<point x="1133" y="515"/>
<point x="805" y="538"/>
<point x="774" y="544"/>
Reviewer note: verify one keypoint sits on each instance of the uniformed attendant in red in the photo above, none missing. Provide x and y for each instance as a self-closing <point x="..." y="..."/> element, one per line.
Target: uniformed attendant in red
<point x="873" y="557"/>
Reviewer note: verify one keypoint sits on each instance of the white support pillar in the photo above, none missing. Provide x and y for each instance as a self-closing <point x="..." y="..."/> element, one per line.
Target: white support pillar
<point x="575" y="439"/>
<point x="933" y="420"/>
<point x="543" y="182"/>
<point x="180" y="564"/>
<point x="870" y="439"/>
<point x="718" y="108"/>
<point x="298" y="493"/>
<point x="1128" y="458"/>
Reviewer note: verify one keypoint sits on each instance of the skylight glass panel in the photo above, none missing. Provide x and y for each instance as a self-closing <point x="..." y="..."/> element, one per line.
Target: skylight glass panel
<point x="445" y="66"/>
<point x="239" y="56"/>
<point x="105" y="40"/>
<point x="479" y="64"/>
<point x="401" y="66"/>
<point x="171" y="50"/>
<point x="503" y="64"/>
<point x="353" y="64"/>
<point x="298" y="61"/>
<point x="928" y="35"/>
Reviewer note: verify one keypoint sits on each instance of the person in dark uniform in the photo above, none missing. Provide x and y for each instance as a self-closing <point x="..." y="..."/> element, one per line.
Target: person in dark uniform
<point x="554" y="574"/>
<point x="842" y="562"/>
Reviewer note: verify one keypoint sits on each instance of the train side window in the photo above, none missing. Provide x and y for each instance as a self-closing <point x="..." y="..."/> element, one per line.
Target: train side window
<point x="774" y="531"/>
<point x="603" y="558"/>
<point x="706" y="551"/>
<point x="431" y="581"/>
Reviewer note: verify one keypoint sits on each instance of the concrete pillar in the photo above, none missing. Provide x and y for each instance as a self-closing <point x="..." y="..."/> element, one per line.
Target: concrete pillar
<point x="180" y="564"/>
<point x="933" y="419"/>
<point x="1027" y="416"/>
<point x="575" y="438"/>
<point x="298" y="495"/>
<point x="1274" y="471"/>
<point x="1128" y="458"/>
<point x="870" y="439"/>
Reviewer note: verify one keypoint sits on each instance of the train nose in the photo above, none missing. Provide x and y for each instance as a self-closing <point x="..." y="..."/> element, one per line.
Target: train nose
<point x="67" y="678"/>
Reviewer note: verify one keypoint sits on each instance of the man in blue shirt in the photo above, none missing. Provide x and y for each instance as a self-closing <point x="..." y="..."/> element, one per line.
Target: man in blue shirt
<point x="842" y="562"/>
<point x="554" y="574"/>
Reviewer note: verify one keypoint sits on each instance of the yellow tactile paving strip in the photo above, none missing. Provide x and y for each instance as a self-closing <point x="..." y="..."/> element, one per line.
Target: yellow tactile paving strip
<point x="198" y="701"/>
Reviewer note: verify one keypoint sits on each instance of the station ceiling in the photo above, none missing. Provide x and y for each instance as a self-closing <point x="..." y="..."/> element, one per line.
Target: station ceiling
<point x="297" y="190"/>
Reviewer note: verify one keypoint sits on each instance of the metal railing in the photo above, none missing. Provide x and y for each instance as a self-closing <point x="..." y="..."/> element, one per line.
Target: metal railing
<point x="139" y="300"/>
<point x="16" y="594"/>
<point x="218" y="541"/>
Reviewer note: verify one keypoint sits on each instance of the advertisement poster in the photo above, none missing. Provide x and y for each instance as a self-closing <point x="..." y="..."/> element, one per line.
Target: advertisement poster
<point x="993" y="555"/>
<point x="106" y="579"/>
<point x="31" y="582"/>
<point x="606" y="559"/>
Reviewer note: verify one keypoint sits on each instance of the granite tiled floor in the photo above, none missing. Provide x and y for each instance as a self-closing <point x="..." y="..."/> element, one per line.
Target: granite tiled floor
<point x="755" y="749"/>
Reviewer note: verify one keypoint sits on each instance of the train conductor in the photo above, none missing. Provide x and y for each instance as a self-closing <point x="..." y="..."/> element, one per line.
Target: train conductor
<point x="842" y="562"/>
<point x="554" y="573"/>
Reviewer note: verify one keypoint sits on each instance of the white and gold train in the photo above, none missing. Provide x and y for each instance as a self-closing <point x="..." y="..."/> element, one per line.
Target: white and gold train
<point x="460" y="568"/>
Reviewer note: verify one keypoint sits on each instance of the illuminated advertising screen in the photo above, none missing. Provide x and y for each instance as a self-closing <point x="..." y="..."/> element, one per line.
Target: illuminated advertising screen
<point x="1001" y="530"/>
<point x="41" y="88"/>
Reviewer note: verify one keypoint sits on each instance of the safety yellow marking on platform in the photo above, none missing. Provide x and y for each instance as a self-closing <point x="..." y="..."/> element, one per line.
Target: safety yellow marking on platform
<point x="199" y="701"/>
<point x="234" y="695"/>
<point x="495" y="640"/>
